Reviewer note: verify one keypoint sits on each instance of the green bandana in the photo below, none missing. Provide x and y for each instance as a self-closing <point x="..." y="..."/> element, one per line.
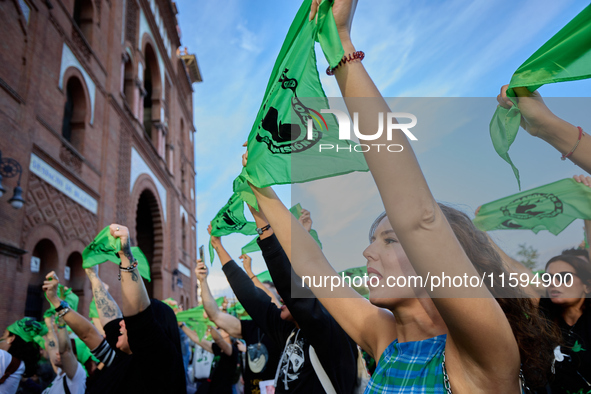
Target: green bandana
<point x="64" y="294"/>
<point x="550" y="207"/>
<point x="92" y="311"/>
<point x="565" y="57"/>
<point x="195" y="320"/>
<point x="279" y="151"/>
<point x="238" y="311"/>
<point x="27" y="328"/>
<point x="171" y="302"/>
<point x="104" y="247"/>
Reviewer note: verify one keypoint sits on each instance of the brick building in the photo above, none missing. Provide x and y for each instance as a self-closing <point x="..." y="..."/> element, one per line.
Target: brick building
<point x="96" y="107"/>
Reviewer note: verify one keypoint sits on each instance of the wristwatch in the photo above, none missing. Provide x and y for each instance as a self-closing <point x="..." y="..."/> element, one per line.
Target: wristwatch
<point x="63" y="305"/>
<point x="261" y="230"/>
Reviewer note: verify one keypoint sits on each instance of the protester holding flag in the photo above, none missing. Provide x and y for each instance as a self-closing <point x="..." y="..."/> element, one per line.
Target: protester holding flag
<point x="71" y="377"/>
<point x="460" y="339"/>
<point x="537" y="119"/>
<point x="318" y="356"/>
<point x="19" y="353"/>
<point x="262" y="355"/>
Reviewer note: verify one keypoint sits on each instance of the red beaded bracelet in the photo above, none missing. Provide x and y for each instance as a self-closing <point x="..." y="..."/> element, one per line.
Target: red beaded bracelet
<point x="566" y="156"/>
<point x="353" y="56"/>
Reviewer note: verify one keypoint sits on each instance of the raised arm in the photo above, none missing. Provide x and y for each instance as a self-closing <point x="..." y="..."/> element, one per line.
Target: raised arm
<point x="219" y="340"/>
<point x="422" y="229"/>
<point x="57" y="339"/>
<point x="222" y="319"/>
<point x="539" y="121"/>
<point x="69" y="361"/>
<point x="247" y="264"/>
<point x="106" y="306"/>
<point x="134" y="294"/>
<point x="205" y="344"/>
<point x="81" y="327"/>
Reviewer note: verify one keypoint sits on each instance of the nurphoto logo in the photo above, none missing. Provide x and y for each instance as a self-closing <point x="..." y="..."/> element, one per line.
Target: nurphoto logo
<point x="345" y="130"/>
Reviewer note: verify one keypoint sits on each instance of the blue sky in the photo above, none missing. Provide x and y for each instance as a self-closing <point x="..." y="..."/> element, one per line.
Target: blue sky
<point x="413" y="48"/>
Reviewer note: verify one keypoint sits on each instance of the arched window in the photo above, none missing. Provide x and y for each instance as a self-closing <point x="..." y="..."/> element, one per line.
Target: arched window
<point x="46" y="258"/>
<point x="83" y="13"/>
<point x="74" y="120"/>
<point x="128" y="85"/>
<point x="152" y="86"/>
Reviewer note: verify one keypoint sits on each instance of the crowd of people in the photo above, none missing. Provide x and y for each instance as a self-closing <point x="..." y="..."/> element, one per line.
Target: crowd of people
<point x="494" y="339"/>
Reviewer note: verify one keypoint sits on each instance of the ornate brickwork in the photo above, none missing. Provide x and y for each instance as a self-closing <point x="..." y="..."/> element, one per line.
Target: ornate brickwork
<point x="70" y="158"/>
<point x="131" y="22"/>
<point x="80" y="42"/>
<point x="124" y="171"/>
<point x="46" y="205"/>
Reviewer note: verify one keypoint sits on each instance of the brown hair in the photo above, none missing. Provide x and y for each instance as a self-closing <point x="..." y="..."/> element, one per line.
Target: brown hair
<point x="536" y="336"/>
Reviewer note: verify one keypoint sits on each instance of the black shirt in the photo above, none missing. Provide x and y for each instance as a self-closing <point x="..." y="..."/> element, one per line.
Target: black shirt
<point x="573" y="364"/>
<point x="335" y="349"/>
<point x="156" y="365"/>
<point x="223" y="371"/>
<point x="264" y="364"/>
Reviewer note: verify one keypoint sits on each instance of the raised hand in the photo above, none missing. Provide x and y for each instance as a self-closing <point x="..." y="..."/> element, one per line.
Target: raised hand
<point x="306" y="220"/>
<point x="246" y="262"/>
<point x="50" y="288"/>
<point x="215" y="241"/>
<point x="122" y="232"/>
<point x="585" y="180"/>
<point x="201" y="271"/>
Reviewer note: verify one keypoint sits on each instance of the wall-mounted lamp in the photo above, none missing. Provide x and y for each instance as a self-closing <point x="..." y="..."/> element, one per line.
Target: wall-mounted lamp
<point x="10" y="168"/>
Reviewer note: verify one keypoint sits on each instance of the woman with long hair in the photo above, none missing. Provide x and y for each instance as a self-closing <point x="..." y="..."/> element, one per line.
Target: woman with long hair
<point x="569" y="306"/>
<point x="479" y="339"/>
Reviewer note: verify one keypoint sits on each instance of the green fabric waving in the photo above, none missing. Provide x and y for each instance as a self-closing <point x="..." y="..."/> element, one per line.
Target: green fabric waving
<point x="279" y="151"/>
<point x="105" y="247"/>
<point x="65" y="294"/>
<point x="230" y="219"/>
<point x="195" y="320"/>
<point x="92" y="311"/>
<point x="237" y="310"/>
<point x="550" y="207"/>
<point x="27" y="328"/>
<point x="565" y="57"/>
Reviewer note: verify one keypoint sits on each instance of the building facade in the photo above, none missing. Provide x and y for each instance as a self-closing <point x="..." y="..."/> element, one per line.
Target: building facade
<point x="96" y="107"/>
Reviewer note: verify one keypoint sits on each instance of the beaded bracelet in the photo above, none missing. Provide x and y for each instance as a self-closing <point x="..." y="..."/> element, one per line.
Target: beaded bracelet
<point x="566" y="156"/>
<point x="353" y="56"/>
<point x="132" y="267"/>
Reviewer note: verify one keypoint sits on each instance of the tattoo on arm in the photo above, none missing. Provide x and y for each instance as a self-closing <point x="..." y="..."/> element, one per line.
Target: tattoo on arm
<point x="126" y="249"/>
<point x="51" y="344"/>
<point x="134" y="276"/>
<point x="106" y="304"/>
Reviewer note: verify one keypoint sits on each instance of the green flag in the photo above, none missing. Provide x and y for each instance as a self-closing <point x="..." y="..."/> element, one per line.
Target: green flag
<point x="237" y="310"/>
<point x="195" y="320"/>
<point x="92" y="311"/>
<point x="105" y="247"/>
<point x="565" y="57"/>
<point x="296" y="211"/>
<point x="27" y="328"/>
<point x="550" y="207"/>
<point x="357" y="272"/>
<point x="279" y="150"/>
<point x="230" y="219"/>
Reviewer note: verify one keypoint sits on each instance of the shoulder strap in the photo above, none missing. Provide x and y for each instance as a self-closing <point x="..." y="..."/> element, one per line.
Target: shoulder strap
<point x="12" y="367"/>
<point x="66" y="388"/>
<point x="320" y="372"/>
